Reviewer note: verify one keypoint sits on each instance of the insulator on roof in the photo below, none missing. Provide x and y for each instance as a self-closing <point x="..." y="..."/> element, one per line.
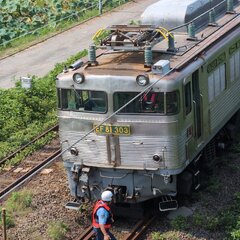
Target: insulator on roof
<point x="148" y="56"/>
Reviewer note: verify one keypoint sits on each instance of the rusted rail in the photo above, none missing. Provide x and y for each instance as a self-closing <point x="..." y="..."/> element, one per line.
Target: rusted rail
<point x="87" y="234"/>
<point x="12" y="155"/>
<point x="34" y="170"/>
<point x="139" y="229"/>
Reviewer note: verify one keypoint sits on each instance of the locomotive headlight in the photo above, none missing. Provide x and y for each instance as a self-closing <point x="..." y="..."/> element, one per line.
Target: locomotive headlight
<point x="157" y="158"/>
<point x="78" y="78"/>
<point x="74" y="151"/>
<point x="142" y="80"/>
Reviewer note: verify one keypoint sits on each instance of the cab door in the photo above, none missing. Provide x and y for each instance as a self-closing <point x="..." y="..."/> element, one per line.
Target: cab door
<point x="197" y="105"/>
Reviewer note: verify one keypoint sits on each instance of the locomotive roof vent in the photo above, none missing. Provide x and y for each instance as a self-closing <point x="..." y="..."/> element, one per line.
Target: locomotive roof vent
<point x="170" y="14"/>
<point x="161" y="67"/>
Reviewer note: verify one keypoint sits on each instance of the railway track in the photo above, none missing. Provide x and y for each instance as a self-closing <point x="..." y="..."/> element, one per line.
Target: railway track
<point x="136" y="233"/>
<point x="29" y="174"/>
<point x="12" y="155"/>
<point x="16" y="176"/>
<point x="139" y="229"/>
<point x="87" y="234"/>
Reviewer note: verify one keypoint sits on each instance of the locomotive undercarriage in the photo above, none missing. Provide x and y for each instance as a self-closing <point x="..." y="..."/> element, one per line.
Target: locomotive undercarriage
<point x="192" y="177"/>
<point x="128" y="186"/>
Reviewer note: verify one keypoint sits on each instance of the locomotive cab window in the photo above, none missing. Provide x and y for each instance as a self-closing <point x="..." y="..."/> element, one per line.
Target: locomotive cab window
<point x="82" y="100"/>
<point x="147" y="103"/>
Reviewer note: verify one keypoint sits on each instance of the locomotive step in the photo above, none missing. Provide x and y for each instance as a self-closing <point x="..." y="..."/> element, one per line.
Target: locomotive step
<point x="73" y="205"/>
<point x="167" y="204"/>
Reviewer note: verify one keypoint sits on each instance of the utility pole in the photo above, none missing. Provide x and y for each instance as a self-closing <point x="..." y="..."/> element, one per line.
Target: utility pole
<point x="100" y="7"/>
<point x="4" y="224"/>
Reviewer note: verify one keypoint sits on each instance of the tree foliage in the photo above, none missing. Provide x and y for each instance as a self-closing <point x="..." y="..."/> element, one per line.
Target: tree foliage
<point x="24" y="113"/>
<point x="19" y="17"/>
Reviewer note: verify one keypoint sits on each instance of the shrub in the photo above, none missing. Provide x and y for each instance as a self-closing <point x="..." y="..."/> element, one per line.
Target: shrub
<point x="19" y="201"/>
<point x="57" y="230"/>
<point x="24" y="114"/>
<point x="157" y="236"/>
<point x="235" y="234"/>
<point x="213" y="186"/>
<point x="171" y="235"/>
<point x="212" y="223"/>
<point x="179" y="223"/>
<point x="198" y="219"/>
<point x="9" y="219"/>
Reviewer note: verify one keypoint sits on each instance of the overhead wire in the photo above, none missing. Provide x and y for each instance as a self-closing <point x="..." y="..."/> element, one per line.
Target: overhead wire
<point x="199" y="16"/>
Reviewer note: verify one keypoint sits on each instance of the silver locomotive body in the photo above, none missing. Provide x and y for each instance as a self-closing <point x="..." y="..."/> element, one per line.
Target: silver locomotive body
<point x="137" y="120"/>
<point x="142" y="153"/>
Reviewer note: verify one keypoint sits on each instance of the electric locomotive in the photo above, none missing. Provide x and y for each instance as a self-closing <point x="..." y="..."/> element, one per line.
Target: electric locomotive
<point x="148" y="109"/>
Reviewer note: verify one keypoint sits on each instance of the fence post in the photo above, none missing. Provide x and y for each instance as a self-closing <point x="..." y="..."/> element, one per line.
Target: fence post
<point x="4" y="224"/>
<point x="100" y="7"/>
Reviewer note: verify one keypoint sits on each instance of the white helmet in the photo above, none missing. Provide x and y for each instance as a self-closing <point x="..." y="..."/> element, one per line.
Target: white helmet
<point x="107" y="196"/>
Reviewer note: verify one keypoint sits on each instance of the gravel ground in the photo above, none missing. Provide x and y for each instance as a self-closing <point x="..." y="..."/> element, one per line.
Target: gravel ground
<point x="51" y="193"/>
<point x="215" y="196"/>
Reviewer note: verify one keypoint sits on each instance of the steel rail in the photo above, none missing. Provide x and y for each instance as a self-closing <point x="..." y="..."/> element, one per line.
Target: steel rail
<point x="87" y="234"/>
<point x="29" y="174"/>
<point x="12" y="155"/>
<point x="139" y="229"/>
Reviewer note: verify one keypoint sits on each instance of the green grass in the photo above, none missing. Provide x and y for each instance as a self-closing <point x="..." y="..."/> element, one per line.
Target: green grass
<point x="19" y="201"/>
<point x="179" y="223"/>
<point x="8" y="219"/>
<point x="169" y="235"/>
<point x="213" y="186"/>
<point x="18" y="204"/>
<point x="226" y="219"/>
<point x="57" y="230"/>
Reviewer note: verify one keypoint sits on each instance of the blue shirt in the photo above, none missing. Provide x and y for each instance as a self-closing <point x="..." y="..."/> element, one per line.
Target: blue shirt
<point x="103" y="215"/>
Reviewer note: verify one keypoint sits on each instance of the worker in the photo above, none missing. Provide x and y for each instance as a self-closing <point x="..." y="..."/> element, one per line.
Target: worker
<point x="102" y="217"/>
<point x="149" y="100"/>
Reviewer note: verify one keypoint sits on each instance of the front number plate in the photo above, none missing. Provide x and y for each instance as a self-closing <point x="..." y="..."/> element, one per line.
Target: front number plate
<point x="115" y="130"/>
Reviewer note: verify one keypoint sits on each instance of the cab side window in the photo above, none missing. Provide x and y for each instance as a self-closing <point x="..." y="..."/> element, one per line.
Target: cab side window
<point x="172" y="103"/>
